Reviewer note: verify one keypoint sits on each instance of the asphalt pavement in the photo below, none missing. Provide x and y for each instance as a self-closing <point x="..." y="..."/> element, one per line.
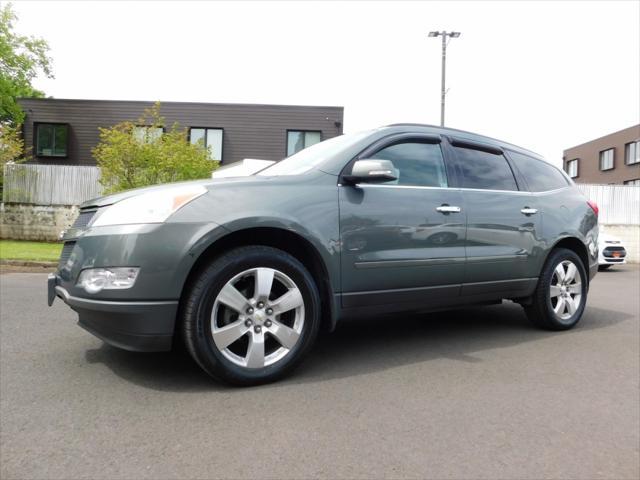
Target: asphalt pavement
<point x="474" y="393"/>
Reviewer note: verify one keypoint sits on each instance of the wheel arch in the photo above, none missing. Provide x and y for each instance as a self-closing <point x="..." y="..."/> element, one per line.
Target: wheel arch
<point x="575" y="245"/>
<point x="283" y="239"/>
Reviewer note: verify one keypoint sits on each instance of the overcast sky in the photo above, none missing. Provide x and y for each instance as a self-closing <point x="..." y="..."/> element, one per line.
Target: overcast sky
<point x="543" y="75"/>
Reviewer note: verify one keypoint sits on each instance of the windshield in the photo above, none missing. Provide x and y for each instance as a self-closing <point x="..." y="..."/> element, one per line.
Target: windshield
<point x="310" y="157"/>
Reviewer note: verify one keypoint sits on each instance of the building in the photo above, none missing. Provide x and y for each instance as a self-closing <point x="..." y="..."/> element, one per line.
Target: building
<point x="65" y="131"/>
<point x="612" y="159"/>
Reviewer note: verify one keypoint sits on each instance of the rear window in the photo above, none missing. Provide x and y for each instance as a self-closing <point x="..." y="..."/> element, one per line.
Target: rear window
<point x="539" y="175"/>
<point x="484" y="170"/>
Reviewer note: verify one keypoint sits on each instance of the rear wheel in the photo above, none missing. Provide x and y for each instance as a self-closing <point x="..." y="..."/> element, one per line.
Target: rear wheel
<point x="561" y="293"/>
<point x="251" y="315"/>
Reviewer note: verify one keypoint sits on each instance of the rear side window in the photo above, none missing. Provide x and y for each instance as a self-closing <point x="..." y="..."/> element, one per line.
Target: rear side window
<point x="417" y="164"/>
<point x="484" y="170"/>
<point x="539" y="175"/>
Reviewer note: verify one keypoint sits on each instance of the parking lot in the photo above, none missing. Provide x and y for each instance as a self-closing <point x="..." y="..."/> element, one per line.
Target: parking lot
<point x="473" y="393"/>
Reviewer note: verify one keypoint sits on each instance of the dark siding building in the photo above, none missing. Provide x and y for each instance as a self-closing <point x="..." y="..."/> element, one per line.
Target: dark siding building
<point x="612" y="159"/>
<point x="65" y="131"/>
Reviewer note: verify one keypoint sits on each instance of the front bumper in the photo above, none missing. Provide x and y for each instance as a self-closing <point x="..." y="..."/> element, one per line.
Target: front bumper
<point x="143" y="317"/>
<point x="131" y="325"/>
<point x="612" y="255"/>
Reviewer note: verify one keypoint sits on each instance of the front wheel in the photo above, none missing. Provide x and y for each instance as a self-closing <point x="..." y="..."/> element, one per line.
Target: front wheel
<point x="561" y="293"/>
<point x="251" y="315"/>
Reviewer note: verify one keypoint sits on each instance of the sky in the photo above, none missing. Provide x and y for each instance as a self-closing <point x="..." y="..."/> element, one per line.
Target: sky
<point x="543" y="75"/>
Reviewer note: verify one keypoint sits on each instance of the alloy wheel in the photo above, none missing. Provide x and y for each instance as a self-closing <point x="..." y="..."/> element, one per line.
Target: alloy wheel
<point x="565" y="290"/>
<point x="257" y="317"/>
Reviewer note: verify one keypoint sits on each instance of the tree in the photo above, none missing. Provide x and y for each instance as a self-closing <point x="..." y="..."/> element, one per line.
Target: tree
<point x="21" y="59"/>
<point x="130" y="156"/>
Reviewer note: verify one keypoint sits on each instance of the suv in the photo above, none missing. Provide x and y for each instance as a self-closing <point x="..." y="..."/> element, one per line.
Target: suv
<point x="247" y="270"/>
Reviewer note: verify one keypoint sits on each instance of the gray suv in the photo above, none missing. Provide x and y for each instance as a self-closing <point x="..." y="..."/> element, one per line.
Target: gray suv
<point x="245" y="271"/>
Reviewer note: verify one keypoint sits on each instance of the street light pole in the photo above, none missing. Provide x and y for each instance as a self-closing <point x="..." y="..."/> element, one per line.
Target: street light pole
<point x="444" y="74"/>
<point x="444" y="34"/>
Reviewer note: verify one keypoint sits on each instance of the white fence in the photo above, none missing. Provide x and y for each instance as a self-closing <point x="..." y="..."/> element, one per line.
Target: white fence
<point x="617" y="204"/>
<point x="50" y="184"/>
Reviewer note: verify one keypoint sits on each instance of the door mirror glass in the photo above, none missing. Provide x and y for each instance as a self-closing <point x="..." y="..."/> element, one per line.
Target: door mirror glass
<point x="371" y="171"/>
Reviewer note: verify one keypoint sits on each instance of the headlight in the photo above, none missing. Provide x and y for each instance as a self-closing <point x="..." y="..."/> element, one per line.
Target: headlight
<point x="94" y="280"/>
<point x="150" y="207"/>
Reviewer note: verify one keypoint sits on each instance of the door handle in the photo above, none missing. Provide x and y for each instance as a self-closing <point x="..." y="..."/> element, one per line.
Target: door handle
<point x="448" y="209"/>
<point x="529" y="211"/>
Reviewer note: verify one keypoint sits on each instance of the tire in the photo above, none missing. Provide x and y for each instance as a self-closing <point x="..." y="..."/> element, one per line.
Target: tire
<point x="561" y="295"/>
<point x="604" y="267"/>
<point x="274" y="333"/>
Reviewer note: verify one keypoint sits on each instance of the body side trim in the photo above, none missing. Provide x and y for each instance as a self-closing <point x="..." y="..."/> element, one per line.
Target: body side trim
<point x="401" y="295"/>
<point x="497" y="258"/>
<point x="407" y="263"/>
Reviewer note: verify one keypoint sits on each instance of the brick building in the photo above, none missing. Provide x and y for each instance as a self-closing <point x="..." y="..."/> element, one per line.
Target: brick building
<point x="612" y="159"/>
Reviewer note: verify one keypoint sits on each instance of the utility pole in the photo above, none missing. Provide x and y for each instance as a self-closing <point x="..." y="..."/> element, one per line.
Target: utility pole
<point x="444" y="34"/>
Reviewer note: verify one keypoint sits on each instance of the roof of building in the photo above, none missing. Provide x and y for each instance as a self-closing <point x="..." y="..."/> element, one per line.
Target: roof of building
<point x="29" y="99"/>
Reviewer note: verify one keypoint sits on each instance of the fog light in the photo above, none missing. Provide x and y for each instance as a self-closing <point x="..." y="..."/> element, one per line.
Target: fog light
<point x="94" y="280"/>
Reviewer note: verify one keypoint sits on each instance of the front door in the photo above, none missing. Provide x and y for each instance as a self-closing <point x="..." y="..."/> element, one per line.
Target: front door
<point x="403" y="241"/>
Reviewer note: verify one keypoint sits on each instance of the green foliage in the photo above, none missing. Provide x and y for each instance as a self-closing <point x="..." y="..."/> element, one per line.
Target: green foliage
<point x="11" y="143"/>
<point x="11" y="147"/>
<point x="21" y="59"/>
<point x="131" y="157"/>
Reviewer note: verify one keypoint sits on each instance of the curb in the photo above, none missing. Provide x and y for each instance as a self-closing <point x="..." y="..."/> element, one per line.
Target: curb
<point x="28" y="263"/>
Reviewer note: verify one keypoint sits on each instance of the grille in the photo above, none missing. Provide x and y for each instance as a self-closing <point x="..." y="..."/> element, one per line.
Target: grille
<point x="608" y="252"/>
<point x="83" y="219"/>
<point x="66" y="253"/>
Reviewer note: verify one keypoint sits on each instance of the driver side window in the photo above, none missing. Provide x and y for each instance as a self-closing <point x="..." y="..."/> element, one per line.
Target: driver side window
<point x="416" y="163"/>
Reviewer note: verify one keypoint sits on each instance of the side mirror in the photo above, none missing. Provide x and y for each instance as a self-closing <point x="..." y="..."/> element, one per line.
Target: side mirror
<point x="371" y="171"/>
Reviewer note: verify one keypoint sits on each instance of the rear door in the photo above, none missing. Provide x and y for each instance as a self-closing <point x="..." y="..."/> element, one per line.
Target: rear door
<point x="549" y="189"/>
<point x="399" y="244"/>
<point x="503" y="223"/>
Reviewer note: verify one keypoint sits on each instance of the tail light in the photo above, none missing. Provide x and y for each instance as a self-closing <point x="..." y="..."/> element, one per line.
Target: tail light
<point x="594" y="206"/>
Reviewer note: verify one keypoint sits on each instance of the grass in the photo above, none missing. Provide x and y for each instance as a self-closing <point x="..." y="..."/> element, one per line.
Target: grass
<point x="36" y="251"/>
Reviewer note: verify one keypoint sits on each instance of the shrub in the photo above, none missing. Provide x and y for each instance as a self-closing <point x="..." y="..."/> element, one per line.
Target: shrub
<point x="130" y="156"/>
<point x="11" y="148"/>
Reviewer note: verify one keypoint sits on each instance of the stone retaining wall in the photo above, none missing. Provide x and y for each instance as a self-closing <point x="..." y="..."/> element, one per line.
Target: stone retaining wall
<point x="35" y="222"/>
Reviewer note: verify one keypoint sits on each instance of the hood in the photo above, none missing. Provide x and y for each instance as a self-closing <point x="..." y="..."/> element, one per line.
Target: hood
<point x="117" y="197"/>
<point x="604" y="237"/>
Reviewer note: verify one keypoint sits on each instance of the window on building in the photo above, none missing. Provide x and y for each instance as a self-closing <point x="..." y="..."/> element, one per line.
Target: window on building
<point x="416" y="163"/>
<point x="211" y="138"/>
<point x="51" y="139"/>
<point x="539" y="175"/>
<point x="635" y="182"/>
<point x="299" y="140"/>
<point x="606" y="159"/>
<point x="484" y="170"/>
<point x="147" y="134"/>
<point x="572" y="168"/>
<point x="632" y="153"/>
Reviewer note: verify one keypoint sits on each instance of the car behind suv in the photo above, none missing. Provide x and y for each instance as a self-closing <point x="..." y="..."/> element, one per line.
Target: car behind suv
<point x="407" y="217"/>
<point x="611" y="251"/>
